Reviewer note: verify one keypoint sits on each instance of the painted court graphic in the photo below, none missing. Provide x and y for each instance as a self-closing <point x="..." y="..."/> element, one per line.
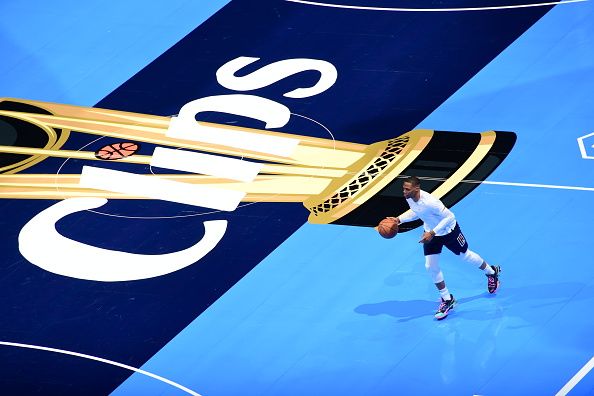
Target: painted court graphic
<point x="338" y="182"/>
<point x="191" y="197"/>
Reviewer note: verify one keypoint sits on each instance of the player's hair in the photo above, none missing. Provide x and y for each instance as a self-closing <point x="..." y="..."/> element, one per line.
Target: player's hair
<point x="413" y="180"/>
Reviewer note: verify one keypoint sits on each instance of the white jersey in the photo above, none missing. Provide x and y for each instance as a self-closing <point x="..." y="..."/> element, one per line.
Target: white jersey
<point x="432" y="212"/>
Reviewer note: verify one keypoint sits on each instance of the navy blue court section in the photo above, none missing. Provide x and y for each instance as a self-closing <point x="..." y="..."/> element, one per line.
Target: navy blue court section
<point x="282" y="306"/>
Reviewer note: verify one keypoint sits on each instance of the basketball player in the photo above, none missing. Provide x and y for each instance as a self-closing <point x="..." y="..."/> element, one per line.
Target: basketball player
<point x="441" y="229"/>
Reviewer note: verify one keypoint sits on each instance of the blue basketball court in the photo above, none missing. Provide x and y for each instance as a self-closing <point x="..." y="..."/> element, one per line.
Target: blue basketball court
<point x="284" y="302"/>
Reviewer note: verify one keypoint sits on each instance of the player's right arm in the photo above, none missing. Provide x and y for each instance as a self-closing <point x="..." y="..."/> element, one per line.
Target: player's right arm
<point x="406" y="217"/>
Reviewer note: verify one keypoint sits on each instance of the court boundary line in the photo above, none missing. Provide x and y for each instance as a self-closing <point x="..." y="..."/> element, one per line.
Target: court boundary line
<point x="491" y="8"/>
<point x="576" y="378"/>
<point x="102" y="360"/>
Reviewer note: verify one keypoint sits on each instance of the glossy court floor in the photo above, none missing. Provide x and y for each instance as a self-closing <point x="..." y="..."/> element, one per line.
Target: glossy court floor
<point x="286" y="307"/>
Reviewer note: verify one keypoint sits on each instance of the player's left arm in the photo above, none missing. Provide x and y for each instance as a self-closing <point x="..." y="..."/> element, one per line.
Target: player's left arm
<point x="446" y="217"/>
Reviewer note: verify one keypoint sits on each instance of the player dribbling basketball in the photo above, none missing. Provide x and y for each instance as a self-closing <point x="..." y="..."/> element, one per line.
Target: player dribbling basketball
<point x="441" y="229"/>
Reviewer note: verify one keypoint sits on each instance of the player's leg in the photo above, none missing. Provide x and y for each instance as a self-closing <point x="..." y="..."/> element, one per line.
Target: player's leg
<point x="434" y="271"/>
<point x="457" y="243"/>
<point x="432" y="253"/>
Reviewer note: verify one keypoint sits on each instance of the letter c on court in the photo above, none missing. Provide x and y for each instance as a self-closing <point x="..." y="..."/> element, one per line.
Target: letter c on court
<point x="42" y="245"/>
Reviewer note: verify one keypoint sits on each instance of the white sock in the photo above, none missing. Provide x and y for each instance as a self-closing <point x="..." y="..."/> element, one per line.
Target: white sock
<point x="445" y="294"/>
<point x="489" y="270"/>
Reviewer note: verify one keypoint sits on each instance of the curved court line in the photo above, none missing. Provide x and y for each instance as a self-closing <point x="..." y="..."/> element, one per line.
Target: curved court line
<point x="508" y="7"/>
<point x="320" y="124"/>
<point x="68" y="159"/>
<point x="98" y="359"/>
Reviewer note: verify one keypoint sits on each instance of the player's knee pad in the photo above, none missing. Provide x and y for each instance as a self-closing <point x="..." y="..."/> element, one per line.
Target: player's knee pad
<point x="472" y="258"/>
<point x="432" y="266"/>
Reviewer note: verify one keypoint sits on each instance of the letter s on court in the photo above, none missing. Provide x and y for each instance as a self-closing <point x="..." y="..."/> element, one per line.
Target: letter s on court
<point x="41" y="244"/>
<point x="274" y="72"/>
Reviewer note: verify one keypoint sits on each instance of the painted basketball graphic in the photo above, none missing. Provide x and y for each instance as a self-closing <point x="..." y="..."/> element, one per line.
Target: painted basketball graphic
<point x="116" y="151"/>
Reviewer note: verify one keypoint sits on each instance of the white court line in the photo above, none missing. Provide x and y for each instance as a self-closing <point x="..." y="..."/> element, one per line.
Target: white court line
<point x="536" y="185"/>
<point x="513" y="184"/>
<point x="576" y="378"/>
<point x="314" y="3"/>
<point x="98" y="359"/>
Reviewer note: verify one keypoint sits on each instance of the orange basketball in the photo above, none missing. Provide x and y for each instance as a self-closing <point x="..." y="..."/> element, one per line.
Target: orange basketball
<point x="388" y="228"/>
<point x="116" y="151"/>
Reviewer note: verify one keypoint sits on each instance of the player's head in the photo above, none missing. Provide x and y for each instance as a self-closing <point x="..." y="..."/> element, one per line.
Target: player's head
<point x="411" y="187"/>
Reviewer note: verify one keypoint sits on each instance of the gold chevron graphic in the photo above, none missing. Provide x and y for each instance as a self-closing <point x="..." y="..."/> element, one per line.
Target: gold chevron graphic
<point x="331" y="178"/>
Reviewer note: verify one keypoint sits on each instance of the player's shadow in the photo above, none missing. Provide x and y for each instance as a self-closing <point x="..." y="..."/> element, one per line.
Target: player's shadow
<point x="517" y="301"/>
<point x="406" y="310"/>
